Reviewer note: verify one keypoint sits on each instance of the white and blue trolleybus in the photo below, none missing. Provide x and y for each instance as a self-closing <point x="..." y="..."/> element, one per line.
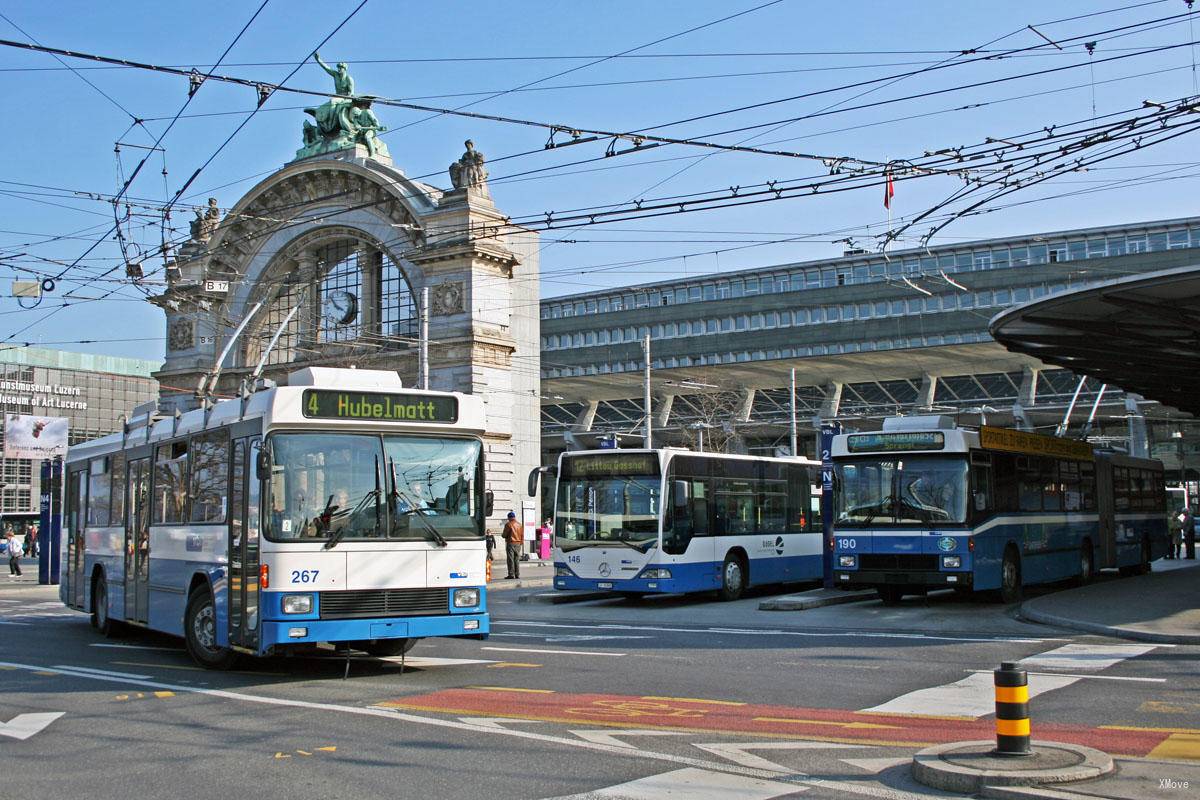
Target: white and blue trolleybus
<point x="924" y="504"/>
<point x="340" y="508"/>
<point x="674" y="520"/>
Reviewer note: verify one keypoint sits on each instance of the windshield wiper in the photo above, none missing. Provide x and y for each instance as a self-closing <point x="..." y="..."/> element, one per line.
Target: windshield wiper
<point x="340" y="533"/>
<point x="413" y="510"/>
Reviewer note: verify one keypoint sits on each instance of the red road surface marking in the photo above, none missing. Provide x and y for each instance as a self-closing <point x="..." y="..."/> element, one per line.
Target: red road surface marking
<point x="762" y="720"/>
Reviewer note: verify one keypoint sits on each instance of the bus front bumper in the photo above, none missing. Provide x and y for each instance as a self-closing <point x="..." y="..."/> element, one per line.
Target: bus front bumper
<point x="309" y="631"/>
<point x="928" y="580"/>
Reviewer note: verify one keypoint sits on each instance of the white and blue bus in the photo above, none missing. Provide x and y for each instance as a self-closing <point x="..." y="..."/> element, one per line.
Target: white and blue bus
<point x="923" y="504"/>
<point x="339" y="508"/>
<point x="673" y="520"/>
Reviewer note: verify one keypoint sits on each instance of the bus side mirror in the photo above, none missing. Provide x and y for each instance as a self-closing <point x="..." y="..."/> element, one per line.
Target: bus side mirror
<point x="535" y="478"/>
<point x="680" y="495"/>
<point x="489" y="503"/>
<point x="263" y="464"/>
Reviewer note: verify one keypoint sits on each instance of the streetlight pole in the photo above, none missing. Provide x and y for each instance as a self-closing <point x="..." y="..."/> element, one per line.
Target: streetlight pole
<point x="646" y="354"/>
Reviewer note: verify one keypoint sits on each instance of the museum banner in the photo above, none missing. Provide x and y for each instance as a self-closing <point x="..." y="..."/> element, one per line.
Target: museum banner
<point x="34" y="437"/>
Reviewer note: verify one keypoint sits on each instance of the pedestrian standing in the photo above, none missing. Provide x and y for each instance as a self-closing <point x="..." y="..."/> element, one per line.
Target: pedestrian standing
<point x="12" y="547"/>
<point x="1177" y="524"/>
<point x="1189" y="534"/>
<point x="514" y="536"/>
<point x="31" y="541"/>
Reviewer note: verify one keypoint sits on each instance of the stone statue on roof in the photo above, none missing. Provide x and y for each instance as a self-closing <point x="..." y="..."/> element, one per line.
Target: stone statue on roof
<point x="205" y="223"/>
<point x="469" y="172"/>
<point x="343" y="121"/>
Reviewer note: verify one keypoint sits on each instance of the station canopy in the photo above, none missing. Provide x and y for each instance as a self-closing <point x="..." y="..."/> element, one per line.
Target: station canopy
<point x="1141" y="334"/>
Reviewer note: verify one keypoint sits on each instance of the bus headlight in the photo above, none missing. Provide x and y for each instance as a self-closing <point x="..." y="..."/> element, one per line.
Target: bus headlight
<point x="848" y="562"/>
<point x="466" y="598"/>
<point x="657" y="574"/>
<point x="951" y="562"/>
<point x="297" y="603"/>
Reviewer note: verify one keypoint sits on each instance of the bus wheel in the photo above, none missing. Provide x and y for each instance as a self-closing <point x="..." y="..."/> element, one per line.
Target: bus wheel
<point x="733" y="578"/>
<point x="101" y="621"/>
<point x="890" y="595"/>
<point x="1087" y="568"/>
<point x="1010" y="576"/>
<point x="385" y="648"/>
<point x="200" y="632"/>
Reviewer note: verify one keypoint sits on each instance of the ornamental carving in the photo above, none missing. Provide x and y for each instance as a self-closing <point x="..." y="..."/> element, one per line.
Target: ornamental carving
<point x="181" y="335"/>
<point x="448" y="298"/>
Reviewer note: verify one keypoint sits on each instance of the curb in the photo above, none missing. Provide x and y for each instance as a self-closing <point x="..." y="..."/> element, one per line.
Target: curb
<point x="1132" y="634"/>
<point x="800" y="603"/>
<point x="505" y="585"/>
<point x="558" y="598"/>
<point x="931" y="768"/>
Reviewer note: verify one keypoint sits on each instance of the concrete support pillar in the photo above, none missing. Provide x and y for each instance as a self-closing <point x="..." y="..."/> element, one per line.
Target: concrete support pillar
<point x="833" y="400"/>
<point x="583" y="422"/>
<point x="308" y="318"/>
<point x="663" y="415"/>
<point x="1026" y="398"/>
<point x="1139" y="440"/>
<point x="925" y="394"/>
<point x="746" y="406"/>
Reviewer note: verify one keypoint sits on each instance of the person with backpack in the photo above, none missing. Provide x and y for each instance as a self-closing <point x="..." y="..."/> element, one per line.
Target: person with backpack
<point x="12" y="546"/>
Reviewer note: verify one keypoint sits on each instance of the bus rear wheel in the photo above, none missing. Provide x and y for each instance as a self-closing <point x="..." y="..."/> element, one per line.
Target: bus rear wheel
<point x="733" y="578"/>
<point x="101" y="621"/>
<point x="1087" y="567"/>
<point x="200" y="632"/>
<point x="890" y="595"/>
<point x="385" y="648"/>
<point x="1010" y="576"/>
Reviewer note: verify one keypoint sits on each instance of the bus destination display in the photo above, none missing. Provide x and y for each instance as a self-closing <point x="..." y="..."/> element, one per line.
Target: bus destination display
<point x="1013" y="441"/>
<point x="610" y="466"/>
<point x="895" y="442"/>
<point x="373" y="407"/>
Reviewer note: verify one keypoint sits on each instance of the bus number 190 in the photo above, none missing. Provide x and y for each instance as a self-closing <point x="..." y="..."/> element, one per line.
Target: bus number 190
<point x="847" y="544"/>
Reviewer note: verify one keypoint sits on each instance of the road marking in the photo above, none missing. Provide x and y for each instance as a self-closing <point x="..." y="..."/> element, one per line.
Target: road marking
<point x="45" y="674"/>
<point x="857" y="725"/>
<point x="328" y="749"/>
<point x="1088" y="677"/>
<point x="738" y="752"/>
<point x="137" y="647"/>
<point x="970" y="697"/>
<point x="1085" y="656"/>
<point x="694" y="784"/>
<point x="104" y="672"/>
<point x="433" y="661"/>
<point x="509" y="664"/>
<point x="694" y="700"/>
<point x="156" y="665"/>
<point x="876" y="765"/>
<point x="164" y="694"/>
<point x="282" y="755"/>
<point x="496" y="723"/>
<point x="1179" y="746"/>
<point x="1155" y="730"/>
<point x="1159" y="707"/>
<point x="778" y="632"/>
<point x="609" y="737"/>
<point x="511" y="689"/>
<point x="22" y="726"/>
<point x="552" y="652"/>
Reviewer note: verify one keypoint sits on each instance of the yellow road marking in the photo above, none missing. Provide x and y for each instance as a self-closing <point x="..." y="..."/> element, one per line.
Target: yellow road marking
<point x="1159" y="707"/>
<point x="7" y="667"/>
<point x="858" y="725"/>
<point x="43" y="672"/>
<point x="694" y="700"/>
<point x="511" y="689"/>
<point x="507" y="664"/>
<point x="919" y="716"/>
<point x="164" y="694"/>
<point x="329" y="749"/>
<point x="304" y="752"/>
<point x="282" y="755"/>
<point x="1152" y="730"/>
<point x="1180" y="746"/>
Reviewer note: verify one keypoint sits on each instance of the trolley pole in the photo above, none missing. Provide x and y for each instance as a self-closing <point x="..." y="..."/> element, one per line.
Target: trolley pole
<point x="646" y="353"/>
<point x="794" y="437"/>
<point x="423" y="364"/>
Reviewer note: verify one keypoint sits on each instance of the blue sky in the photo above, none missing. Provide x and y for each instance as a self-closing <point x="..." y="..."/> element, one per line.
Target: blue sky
<point x="61" y="132"/>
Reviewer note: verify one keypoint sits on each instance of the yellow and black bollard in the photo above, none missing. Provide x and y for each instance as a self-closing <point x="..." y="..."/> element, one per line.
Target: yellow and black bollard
<point x="1012" y="711"/>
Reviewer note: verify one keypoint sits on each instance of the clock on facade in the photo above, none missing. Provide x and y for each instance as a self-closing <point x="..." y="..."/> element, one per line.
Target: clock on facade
<point x="341" y="307"/>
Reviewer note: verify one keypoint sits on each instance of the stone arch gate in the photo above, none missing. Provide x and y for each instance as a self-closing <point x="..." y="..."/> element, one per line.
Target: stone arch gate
<point x="349" y="241"/>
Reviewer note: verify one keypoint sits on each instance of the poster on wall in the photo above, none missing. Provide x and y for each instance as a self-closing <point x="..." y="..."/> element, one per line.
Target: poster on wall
<point x="35" y="437"/>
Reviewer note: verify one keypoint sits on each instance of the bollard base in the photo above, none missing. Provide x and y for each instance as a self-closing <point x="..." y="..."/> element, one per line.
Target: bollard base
<point x="967" y="767"/>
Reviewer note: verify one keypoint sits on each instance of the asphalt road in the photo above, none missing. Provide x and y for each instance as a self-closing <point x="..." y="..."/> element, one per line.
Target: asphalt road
<point x="665" y="697"/>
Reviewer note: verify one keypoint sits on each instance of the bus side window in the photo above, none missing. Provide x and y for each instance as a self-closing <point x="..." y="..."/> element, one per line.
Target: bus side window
<point x="699" y="506"/>
<point x="981" y="488"/>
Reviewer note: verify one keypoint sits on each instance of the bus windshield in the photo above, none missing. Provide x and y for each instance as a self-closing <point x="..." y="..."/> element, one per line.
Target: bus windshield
<point x="364" y="486"/>
<point x="901" y="490"/>
<point x="605" y="501"/>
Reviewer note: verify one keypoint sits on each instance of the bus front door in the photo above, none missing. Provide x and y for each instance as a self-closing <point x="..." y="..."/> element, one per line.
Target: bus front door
<point x="137" y="543"/>
<point x="244" y="529"/>
<point x="77" y="497"/>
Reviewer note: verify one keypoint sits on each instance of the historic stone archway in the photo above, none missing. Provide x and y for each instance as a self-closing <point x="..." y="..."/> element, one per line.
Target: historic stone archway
<point x="348" y="241"/>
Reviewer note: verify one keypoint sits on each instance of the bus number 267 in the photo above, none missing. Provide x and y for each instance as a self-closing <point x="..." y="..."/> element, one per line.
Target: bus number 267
<point x="305" y="575"/>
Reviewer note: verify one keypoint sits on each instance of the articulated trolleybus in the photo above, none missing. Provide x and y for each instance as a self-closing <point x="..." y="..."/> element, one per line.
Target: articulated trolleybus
<point x="339" y="508"/>
<point x="672" y="520"/>
<point x="923" y="504"/>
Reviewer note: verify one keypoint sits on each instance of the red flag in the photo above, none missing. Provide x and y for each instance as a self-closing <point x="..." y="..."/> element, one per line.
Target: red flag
<point x="889" y="190"/>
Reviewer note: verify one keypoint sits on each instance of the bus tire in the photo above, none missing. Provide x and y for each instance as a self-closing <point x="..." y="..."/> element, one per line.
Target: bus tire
<point x="1087" y="564"/>
<point x="890" y="595"/>
<point x="101" y="620"/>
<point x="200" y="632"/>
<point x="1010" y="576"/>
<point x="386" y="648"/>
<point x="733" y="577"/>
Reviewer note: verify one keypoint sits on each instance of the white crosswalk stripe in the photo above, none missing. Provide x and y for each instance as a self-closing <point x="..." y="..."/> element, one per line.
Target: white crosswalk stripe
<point x="974" y="695"/>
<point x="693" y="784"/>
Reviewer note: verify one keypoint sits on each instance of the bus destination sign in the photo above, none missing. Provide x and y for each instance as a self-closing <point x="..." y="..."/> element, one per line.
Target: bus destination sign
<point x="1012" y="441"/>
<point x="895" y="442"/>
<point x="610" y="466"/>
<point x="374" y="407"/>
